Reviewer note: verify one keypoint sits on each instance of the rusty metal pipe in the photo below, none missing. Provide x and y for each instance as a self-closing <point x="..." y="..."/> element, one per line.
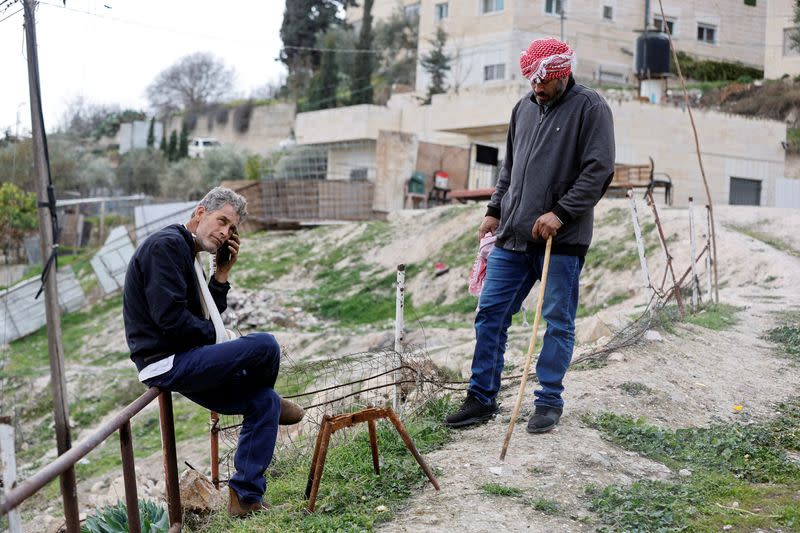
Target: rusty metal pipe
<point x="129" y="476"/>
<point x="373" y="444"/>
<point x="215" y="449"/>
<point x="413" y="449"/>
<point x="170" y="458"/>
<point x="37" y="481"/>
<point x="319" y="465"/>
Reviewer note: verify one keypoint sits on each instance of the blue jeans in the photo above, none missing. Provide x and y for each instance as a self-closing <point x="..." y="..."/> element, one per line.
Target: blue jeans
<point x="235" y="378"/>
<point x="509" y="278"/>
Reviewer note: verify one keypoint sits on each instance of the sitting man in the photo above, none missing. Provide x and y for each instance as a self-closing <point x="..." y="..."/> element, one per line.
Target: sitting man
<point x="177" y="340"/>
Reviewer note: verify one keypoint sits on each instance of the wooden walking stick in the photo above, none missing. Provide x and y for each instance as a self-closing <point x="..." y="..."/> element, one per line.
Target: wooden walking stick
<point x="531" y="349"/>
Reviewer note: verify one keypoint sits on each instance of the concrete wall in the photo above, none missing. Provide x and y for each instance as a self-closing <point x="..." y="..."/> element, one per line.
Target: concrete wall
<point x="345" y="124"/>
<point x="779" y="58"/>
<point x="133" y="135"/>
<point x="451" y="159"/>
<point x="733" y="146"/>
<point x="728" y="144"/>
<point x="269" y="125"/>
<point x="396" y="157"/>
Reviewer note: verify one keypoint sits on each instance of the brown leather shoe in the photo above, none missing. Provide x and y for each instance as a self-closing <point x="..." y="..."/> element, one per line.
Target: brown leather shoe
<point x="291" y="413"/>
<point x="237" y="509"/>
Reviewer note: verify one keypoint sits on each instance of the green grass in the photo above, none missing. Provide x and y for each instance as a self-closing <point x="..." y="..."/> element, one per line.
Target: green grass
<point x="729" y="463"/>
<point x="714" y="316"/>
<point x="589" y="311"/>
<point x="29" y="355"/>
<point x="543" y="505"/>
<point x="767" y="238"/>
<point x="787" y="335"/>
<point x="351" y="494"/>
<point x="495" y="489"/>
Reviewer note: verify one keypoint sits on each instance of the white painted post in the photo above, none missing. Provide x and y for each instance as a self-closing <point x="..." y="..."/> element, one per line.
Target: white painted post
<point x="708" y="254"/>
<point x="399" y="324"/>
<point x="8" y="469"/>
<point x="693" y="248"/>
<point x="640" y="246"/>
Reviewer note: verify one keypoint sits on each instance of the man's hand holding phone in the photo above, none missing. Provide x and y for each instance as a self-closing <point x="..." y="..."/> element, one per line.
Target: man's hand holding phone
<point x="226" y="257"/>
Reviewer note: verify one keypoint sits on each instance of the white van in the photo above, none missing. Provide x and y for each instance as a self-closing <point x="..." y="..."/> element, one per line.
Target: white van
<point x="200" y="145"/>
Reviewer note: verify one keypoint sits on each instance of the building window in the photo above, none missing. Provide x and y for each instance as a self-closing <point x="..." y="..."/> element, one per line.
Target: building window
<point x="411" y="11"/>
<point x="706" y="33"/>
<point x="788" y="46"/>
<point x="608" y="13"/>
<point x="659" y="25"/>
<point x="553" y="7"/>
<point x="750" y="2"/>
<point x="440" y="11"/>
<point x="494" y="72"/>
<point x="492" y="6"/>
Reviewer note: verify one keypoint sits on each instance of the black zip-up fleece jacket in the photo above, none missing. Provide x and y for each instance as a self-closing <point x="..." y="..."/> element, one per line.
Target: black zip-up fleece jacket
<point x="559" y="159"/>
<point x="161" y="302"/>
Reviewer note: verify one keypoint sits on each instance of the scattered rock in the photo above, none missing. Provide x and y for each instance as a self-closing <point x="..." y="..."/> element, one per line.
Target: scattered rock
<point x="590" y="330"/>
<point x="501" y="470"/>
<point x="198" y="494"/>
<point x="381" y="509"/>
<point x="684" y="472"/>
<point x="653" y="336"/>
<point x="616" y="357"/>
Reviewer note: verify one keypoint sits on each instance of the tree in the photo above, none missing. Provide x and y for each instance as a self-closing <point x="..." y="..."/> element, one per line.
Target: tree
<point x="183" y="143"/>
<point x="17" y="216"/>
<point x="192" y="83"/>
<point x="437" y="63"/>
<point x="303" y="20"/>
<point x="361" y="84"/>
<point x="83" y="118"/>
<point x="141" y="171"/>
<point x="397" y="37"/>
<point x="151" y="134"/>
<point x="322" y="94"/>
<point x="163" y="145"/>
<point x="172" y="149"/>
<point x="794" y="34"/>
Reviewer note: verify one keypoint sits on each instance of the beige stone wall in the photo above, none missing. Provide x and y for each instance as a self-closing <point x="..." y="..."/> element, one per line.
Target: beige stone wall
<point x="269" y="125"/>
<point x="396" y="155"/>
<point x="779" y="59"/>
<point x="381" y="9"/>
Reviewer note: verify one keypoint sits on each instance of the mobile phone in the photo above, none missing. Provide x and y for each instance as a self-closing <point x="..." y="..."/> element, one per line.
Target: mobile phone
<point x="224" y="252"/>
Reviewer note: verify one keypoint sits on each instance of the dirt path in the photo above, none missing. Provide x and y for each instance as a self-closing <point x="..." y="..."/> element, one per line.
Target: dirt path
<point x="696" y="376"/>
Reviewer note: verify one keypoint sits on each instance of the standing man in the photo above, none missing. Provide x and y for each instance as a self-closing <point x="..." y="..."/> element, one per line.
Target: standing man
<point x="178" y="343"/>
<point x="559" y="162"/>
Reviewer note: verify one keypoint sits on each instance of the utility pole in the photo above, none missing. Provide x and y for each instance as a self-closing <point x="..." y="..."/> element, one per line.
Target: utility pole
<point x="46" y="203"/>
<point x="561" y="14"/>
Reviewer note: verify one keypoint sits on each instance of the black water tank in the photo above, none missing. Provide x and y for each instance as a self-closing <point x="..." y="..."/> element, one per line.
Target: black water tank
<point x="652" y="55"/>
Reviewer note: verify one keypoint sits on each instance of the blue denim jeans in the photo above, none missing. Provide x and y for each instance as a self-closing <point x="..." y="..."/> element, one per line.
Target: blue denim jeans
<point x="235" y="378"/>
<point x="509" y="278"/>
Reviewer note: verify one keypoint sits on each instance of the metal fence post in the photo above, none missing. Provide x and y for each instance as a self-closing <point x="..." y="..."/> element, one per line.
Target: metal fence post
<point x="8" y="469"/>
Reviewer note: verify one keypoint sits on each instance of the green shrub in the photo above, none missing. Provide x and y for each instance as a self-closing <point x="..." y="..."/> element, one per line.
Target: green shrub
<point x="708" y="70"/>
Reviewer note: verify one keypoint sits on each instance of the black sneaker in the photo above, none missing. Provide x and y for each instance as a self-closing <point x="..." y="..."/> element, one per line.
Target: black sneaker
<point x="472" y="411"/>
<point x="544" y="418"/>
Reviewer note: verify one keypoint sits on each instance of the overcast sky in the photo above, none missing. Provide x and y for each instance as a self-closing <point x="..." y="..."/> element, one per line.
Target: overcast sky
<point x="110" y="50"/>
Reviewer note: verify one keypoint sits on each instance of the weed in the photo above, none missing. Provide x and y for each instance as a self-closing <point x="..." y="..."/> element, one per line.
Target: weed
<point x="495" y="489"/>
<point x="787" y="335"/>
<point x="634" y="388"/>
<point x="543" y="505"/>
<point x="714" y="316"/>
<point x="589" y="311"/>
<point x="746" y="464"/>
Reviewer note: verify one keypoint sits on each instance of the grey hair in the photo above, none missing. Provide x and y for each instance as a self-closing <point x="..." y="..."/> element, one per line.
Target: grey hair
<point x="217" y="197"/>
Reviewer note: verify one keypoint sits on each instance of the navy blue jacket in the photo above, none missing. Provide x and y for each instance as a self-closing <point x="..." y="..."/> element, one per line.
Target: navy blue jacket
<point x="161" y="301"/>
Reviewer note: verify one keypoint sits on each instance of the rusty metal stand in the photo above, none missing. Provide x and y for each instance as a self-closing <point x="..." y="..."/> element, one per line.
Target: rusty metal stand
<point x="331" y="424"/>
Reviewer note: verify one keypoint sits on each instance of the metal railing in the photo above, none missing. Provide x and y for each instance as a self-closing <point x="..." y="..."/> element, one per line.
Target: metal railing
<point x="120" y="422"/>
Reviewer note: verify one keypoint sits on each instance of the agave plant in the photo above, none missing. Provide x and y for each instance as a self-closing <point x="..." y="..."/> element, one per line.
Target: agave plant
<point x="114" y="519"/>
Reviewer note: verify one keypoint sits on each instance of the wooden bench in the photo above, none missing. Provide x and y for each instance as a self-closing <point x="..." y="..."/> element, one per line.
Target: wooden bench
<point x="476" y="195"/>
<point x="639" y="177"/>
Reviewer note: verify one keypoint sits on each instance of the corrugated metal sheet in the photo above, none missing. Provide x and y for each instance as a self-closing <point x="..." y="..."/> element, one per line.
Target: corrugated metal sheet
<point x="151" y="218"/>
<point x="111" y="261"/>
<point x="21" y="313"/>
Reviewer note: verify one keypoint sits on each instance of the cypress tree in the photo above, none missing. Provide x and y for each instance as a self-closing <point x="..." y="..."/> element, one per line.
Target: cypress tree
<point x="361" y="84"/>
<point x="437" y="63"/>
<point x="151" y="136"/>
<point x="183" y="143"/>
<point x="172" y="150"/>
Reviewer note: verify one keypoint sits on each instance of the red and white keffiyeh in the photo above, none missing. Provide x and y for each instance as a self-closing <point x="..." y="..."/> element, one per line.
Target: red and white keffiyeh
<point x="478" y="273"/>
<point x="546" y="59"/>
